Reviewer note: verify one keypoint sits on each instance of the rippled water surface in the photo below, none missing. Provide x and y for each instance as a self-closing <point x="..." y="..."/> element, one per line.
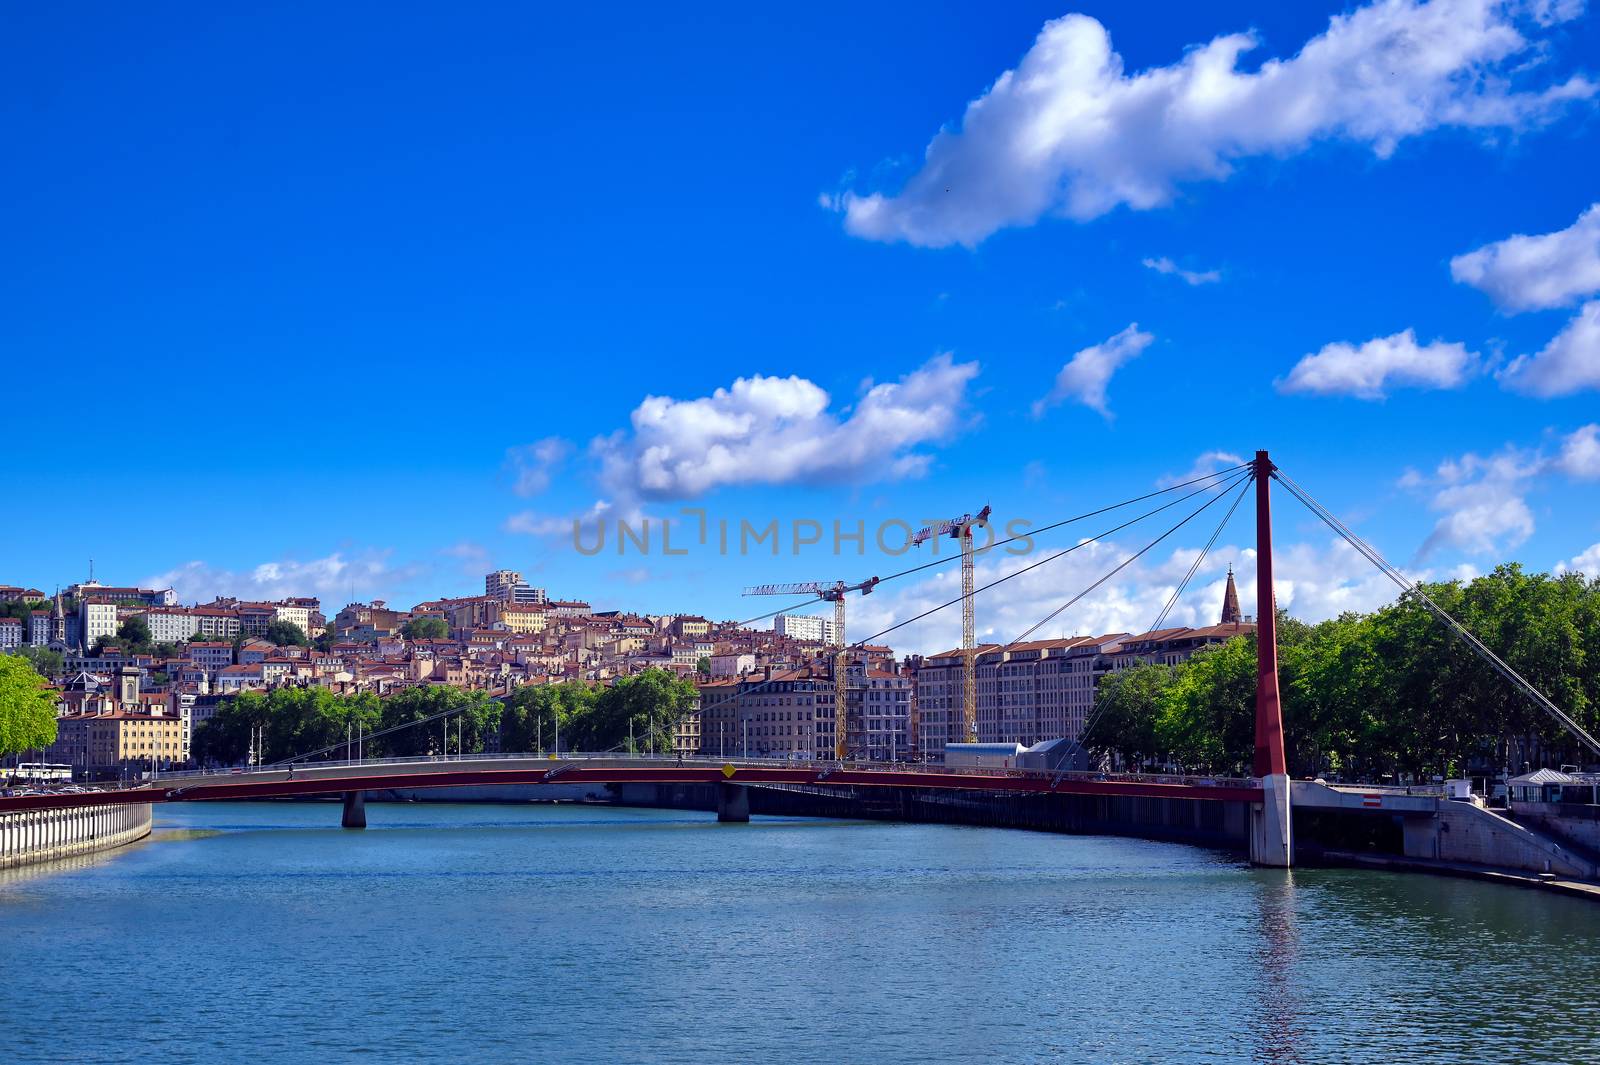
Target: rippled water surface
<point x="518" y="933"/>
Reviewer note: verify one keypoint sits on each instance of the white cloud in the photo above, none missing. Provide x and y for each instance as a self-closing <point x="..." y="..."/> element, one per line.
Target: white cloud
<point x="1580" y="454"/>
<point x="779" y="430"/>
<point x="1586" y="562"/>
<point x="1569" y="363"/>
<point x="1523" y="273"/>
<point x="1312" y="581"/>
<point x="1069" y="131"/>
<point x="1480" y="517"/>
<point x="1165" y="265"/>
<point x="1204" y="463"/>
<point x="1364" y="371"/>
<point x="567" y="526"/>
<point x="1483" y="499"/>
<point x="532" y="465"/>
<point x="1085" y="376"/>
<point x="329" y="577"/>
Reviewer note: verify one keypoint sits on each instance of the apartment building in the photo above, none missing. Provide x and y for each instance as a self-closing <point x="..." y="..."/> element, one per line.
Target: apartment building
<point x="305" y="612"/>
<point x="170" y="624"/>
<point x="211" y="656"/>
<point x="215" y="623"/>
<point x="805" y="629"/>
<point x="1043" y="689"/>
<point x="97" y="618"/>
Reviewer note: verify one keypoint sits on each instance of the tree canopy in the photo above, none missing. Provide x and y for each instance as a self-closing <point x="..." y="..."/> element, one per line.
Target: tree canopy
<point x="285" y="634"/>
<point x="27" y="709"/>
<point x="426" y="627"/>
<point x="295" y="721"/>
<point x="1389" y="692"/>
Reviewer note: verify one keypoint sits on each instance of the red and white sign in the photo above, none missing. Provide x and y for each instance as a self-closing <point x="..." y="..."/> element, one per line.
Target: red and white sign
<point x="1372" y="802"/>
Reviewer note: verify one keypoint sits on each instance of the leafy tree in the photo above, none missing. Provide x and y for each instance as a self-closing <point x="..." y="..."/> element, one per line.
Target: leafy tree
<point x="294" y="721"/>
<point x="533" y="713"/>
<point x="643" y="707"/>
<point x="134" y="633"/>
<point x="1208" y="714"/>
<point x="426" y="627"/>
<point x="19" y="609"/>
<point x="702" y="666"/>
<point x="46" y="661"/>
<point x="27" y="709"/>
<point x="472" y="715"/>
<point x="1394" y="691"/>
<point x="1127" y="709"/>
<point x="286" y="634"/>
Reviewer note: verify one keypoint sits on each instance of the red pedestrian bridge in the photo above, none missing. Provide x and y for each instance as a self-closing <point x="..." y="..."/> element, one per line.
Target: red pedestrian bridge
<point x="354" y="779"/>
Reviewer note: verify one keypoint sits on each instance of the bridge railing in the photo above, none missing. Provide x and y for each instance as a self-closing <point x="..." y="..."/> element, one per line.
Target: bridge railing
<point x="613" y="759"/>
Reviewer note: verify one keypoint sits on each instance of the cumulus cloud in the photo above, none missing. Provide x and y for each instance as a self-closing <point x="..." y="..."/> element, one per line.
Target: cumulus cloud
<point x="1580" y="454"/>
<point x="1482" y="500"/>
<point x="1165" y="265"/>
<point x="1365" y="371"/>
<point x="780" y="430"/>
<point x="1569" y="363"/>
<point x="1523" y="273"/>
<point x="1085" y="376"/>
<point x="1070" y="131"/>
<point x="328" y="577"/>
<point x="532" y="465"/>
<point x="1480" y="516"/>
<point x="1586" y="562"/>
<point x="1530" y="273"/>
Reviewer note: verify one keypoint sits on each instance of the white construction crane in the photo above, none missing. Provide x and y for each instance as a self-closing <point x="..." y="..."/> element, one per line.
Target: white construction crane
<point x="961" y="529"/>
<point x="834" y="592"/>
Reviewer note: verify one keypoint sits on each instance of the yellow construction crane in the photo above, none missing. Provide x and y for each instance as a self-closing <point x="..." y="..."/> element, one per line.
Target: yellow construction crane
<point x="961" y="529"/>
<point x="833" y="592"/>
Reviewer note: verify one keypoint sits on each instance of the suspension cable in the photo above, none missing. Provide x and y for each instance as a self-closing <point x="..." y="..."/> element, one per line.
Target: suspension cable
<point x="1208" y="481"/>
<point x="1213" y="478"/>
<point x="1177" y="593"/>
<point x="1125" y="563"/>
<point x="1225" y="488"/>
<point x="1225" y="479"/>
<point x="1095" y="713"/>
<point x="1405" y="584"/>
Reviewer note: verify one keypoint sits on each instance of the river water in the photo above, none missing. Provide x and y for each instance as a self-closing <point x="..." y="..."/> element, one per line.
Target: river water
<point x="456" y="933"/>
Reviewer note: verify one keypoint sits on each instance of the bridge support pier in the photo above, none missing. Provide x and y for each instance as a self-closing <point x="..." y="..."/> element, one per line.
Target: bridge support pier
<point x="1271" y="833"/>
<point x="733" y="802"/>
<point x="355" y="810"/>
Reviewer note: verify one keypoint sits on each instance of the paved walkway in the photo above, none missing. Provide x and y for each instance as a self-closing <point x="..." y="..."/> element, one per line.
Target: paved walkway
<point x="1514" y="877"/>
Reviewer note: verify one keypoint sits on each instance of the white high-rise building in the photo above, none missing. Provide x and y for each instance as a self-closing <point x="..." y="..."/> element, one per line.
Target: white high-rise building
<point x="509" y="587"/>
<point x="807" y="629"/>
<point x="498" y="585"/>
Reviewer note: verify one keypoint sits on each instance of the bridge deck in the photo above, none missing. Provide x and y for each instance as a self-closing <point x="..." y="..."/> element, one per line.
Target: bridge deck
<point x="444" y="773"/>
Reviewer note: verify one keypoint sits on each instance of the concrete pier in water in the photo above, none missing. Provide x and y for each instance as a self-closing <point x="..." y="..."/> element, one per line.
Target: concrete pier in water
<point x="355" y="810"/>
<point x="733" y="802"/>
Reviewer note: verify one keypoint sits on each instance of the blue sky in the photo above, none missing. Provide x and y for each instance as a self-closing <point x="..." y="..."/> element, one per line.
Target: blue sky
<point x="372" y="299"/>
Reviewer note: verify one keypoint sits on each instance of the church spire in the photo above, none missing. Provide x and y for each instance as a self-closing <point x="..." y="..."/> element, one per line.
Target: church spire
<point x="1230" y="601"/>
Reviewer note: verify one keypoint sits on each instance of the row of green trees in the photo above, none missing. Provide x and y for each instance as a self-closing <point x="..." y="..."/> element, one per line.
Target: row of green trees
<point x="292" y="721"/>
<point x="1389" y="692"/>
